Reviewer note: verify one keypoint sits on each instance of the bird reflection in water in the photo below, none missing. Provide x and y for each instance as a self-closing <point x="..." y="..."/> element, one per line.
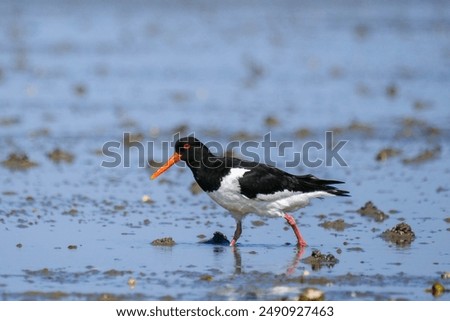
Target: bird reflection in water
<point x="220" y="240"/>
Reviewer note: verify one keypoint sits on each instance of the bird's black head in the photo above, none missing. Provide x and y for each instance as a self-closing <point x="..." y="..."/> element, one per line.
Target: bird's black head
<point x="191" y="150"/>
<point x="188" y="149"/>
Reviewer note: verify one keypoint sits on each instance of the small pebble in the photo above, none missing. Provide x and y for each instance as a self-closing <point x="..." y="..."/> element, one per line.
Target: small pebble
<point x="423" y="156"/>
<point x="437" y="289"/>
<point x="18" y="162"/>
<point x="386" y="153"/>
<point x="131" y="282"/>
<point x="165" y="241"/>
<point x="218" y="238"/>
<point x="271" y="121"/>
<point x="370" y="210"/>
<point x="302" y="132"/>
<point x="311" y="294"/>
<point x="317" y="260"/>
<point x="58" y="156"/>
<point x="392" y="90"/>
<point x="445" y="275"/>
<point x="147" y="199"/>
<point x="401" y="234"/>
<point x="80" y="89"/>
<point x="206" y="277"/>
<point x="258" y="223"/>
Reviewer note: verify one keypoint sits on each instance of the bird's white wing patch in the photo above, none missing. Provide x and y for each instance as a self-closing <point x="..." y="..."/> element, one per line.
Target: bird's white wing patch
<point x="289" y="194"/>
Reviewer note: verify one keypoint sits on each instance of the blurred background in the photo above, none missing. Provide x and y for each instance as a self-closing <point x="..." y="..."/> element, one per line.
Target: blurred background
<point x="224" y="66"/>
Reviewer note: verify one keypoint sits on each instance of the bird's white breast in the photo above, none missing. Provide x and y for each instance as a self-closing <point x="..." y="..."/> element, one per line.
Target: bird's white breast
<point x="229" y="193"/>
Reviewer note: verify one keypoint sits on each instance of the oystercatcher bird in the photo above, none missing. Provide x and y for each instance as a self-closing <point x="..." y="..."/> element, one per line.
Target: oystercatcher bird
<point x="243" y="187"/>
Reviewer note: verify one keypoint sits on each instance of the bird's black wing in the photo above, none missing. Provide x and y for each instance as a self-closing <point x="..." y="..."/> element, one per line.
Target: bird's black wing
<point x="264" y="179"/>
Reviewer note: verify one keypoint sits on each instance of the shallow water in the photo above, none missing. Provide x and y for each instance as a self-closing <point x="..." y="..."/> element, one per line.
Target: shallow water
<point x="75" y="76"/>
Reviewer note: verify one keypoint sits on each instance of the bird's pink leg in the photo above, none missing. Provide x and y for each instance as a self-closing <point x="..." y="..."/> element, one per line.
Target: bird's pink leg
<point x="290" y="219"/>
<point x="237" y="233"/>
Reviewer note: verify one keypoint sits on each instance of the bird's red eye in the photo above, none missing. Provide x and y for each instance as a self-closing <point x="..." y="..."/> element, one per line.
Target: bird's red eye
<point x="186" y="146"/>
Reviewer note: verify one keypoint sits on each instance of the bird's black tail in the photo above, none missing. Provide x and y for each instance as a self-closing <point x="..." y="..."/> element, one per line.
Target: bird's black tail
<point x="326" y="185"/>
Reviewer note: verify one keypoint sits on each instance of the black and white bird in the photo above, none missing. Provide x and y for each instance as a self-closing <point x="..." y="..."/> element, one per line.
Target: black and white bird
<point x="243" y="187"/>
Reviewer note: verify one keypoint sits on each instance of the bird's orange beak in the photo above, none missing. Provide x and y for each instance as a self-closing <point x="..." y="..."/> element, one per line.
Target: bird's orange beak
<point x="172" y="160"/>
